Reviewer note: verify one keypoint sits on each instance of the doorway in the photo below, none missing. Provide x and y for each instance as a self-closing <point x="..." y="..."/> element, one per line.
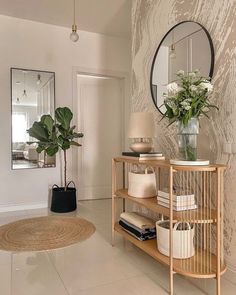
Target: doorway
<point x="100" y="117"/>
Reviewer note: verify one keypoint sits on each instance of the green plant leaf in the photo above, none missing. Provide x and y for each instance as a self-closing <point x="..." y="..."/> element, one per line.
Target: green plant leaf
<point x="74" y="143"/>
<point x="38" y="131"/>
<point x="39" y="149"/>
<point x="78" y="135"/>
<point x="60" y="140"/>
<point x="72" y="128"/>
<point x="48" y="121"/>
<point x="64" y="117"/>
<point x="52" y="149"/>
<point x="65" y="145"/>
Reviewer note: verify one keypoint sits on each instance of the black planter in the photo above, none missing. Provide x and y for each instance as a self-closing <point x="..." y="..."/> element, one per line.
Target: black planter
<point x="63" y="201"/>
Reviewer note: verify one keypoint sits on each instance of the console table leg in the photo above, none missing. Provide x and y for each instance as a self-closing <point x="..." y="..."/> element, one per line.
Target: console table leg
<point x="113" y="216"/>
<point x="171" y="232"/>
<point x="218" y="233"/>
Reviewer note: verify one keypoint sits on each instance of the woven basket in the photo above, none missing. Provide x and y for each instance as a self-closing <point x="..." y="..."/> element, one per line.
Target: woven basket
<point x="183" y="246"/>
<point x="142" y="185"/>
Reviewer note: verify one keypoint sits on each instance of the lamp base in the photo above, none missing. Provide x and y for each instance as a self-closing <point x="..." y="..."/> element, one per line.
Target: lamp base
<point x="141" y="147"/>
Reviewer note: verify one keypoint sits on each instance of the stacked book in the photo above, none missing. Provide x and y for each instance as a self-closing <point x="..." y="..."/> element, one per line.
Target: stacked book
<point x="181" y="202"/>
<point x="137" y="225"/>
<point x="145" y="156"/>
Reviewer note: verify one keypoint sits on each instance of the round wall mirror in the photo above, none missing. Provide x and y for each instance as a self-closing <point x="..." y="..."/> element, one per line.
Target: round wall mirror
<point x="187" y="46"/>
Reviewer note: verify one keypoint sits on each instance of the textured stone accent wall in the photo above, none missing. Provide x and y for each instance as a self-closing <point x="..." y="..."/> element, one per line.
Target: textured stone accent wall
<point x="151" y="19"/>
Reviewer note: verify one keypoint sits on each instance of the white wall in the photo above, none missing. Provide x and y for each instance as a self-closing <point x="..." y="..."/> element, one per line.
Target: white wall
<point x="39" y="46"/>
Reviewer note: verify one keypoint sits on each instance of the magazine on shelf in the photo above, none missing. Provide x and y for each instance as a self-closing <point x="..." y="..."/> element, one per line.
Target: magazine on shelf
<point x="177" y="202"/>
<point x="188" y="197"/>
<point x="150" y="155"/>
<point x="178" y="208"/>
<point x="140" y="155"/>
<point x="151" y="158"/>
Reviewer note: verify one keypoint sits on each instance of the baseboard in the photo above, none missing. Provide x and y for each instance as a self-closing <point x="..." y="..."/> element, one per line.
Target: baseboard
<point x="99" y="199"/>
<point x="20" y="207"/>
<point x="90" y="198"/>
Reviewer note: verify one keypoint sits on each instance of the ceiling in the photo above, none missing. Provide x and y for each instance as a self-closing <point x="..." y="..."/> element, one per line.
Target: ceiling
<point x="110" y="17"/>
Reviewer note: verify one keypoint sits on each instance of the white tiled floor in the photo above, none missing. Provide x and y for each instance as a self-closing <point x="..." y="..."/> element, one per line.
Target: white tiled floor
<point x="92" y="267"/>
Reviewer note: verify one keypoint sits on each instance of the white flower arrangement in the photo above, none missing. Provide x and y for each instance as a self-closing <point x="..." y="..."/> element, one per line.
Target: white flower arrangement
<point x="188" y="97"/>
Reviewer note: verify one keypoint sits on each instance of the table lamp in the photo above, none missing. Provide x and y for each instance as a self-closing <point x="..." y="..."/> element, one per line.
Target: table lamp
<point x="141" y="131"/>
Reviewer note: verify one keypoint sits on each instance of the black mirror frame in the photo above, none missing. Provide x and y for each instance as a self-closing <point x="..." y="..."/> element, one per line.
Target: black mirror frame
<point x="155" y="55"/>
<point x="54" y="102"/>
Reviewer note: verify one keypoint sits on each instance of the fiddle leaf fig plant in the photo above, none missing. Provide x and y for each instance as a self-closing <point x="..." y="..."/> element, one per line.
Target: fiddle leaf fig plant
<point x="56" y="134"/>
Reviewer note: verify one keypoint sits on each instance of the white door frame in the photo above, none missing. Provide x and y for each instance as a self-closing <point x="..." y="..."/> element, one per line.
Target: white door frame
<point x="125" y="80"/>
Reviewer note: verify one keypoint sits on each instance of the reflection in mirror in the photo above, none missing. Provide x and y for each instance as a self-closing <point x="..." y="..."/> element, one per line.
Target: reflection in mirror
<point x="33" y="95"/>
<point x="187" y="46"/>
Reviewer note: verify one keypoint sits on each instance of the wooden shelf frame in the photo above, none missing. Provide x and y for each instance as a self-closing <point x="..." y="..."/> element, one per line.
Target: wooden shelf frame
<point x="194" y="266"/>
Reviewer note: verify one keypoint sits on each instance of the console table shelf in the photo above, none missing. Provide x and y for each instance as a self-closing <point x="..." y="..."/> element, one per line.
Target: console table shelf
<point x="205" y="183"/>
<point x="193" y="264"/>
<point x="195" y="216"/>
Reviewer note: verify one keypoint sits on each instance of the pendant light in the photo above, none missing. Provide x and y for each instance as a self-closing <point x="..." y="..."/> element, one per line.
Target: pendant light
<point x="24" y="95"/>
<point x="39" y="81"/>
<point x="74" y="35"/>
<point x="172" y="47"/>
<point x="17" y="87"/>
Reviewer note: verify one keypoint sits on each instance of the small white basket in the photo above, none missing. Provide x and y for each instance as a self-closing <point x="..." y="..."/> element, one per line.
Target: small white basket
<point x="142" y="185"/>
<point x="183" y="244"/>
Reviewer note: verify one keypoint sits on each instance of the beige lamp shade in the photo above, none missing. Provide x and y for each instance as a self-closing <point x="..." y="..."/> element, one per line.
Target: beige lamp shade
<point x="141" y="125"/>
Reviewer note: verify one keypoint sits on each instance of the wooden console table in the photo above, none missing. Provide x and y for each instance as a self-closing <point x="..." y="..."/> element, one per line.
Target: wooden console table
<point x="206" y="183"/>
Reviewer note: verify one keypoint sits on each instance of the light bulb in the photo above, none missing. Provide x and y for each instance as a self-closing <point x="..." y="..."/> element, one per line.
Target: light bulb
<point x="39" y="80"/>
<point x="172" y="53"/>
<point x="24" y="94"/>
<point x="74" y="35"/>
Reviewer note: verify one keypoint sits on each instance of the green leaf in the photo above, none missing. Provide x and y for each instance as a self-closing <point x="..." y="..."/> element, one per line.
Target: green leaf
<point x="213" y="106"/>
<point x="72" y="128"/>
<point x="64" y="117"/>
<point x="74" y="135"/>
<point x="60" y="140"/>
<point x="78" y="135"/>
<point x="74" y="143"/>
<point x="39" y="149"/>
<point x="48" y="121"/>
<point x="38" y="131"/>
<point x="62" y="130"/>
<point x="52" y="149"/>
<point x="65" y="145"/>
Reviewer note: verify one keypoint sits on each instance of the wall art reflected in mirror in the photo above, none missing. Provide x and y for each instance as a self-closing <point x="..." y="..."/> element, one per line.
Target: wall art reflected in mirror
<point x="187" y="46"/>
<point x="32" y="95"/>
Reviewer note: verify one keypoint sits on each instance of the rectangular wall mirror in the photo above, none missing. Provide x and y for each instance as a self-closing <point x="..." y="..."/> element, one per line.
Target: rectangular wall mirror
<point x="32" y="95"/>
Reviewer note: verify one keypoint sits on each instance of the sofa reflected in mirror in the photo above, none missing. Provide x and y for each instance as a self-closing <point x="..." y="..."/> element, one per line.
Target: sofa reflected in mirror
<point x="26" y="156"/>
<point x="32" y="95"/>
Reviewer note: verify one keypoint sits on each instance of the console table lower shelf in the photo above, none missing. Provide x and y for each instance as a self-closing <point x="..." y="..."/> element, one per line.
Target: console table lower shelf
<point x="191" y="267"/>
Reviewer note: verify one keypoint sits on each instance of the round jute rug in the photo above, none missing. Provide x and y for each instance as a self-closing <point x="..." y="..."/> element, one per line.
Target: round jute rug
<point x="44" y="233"/>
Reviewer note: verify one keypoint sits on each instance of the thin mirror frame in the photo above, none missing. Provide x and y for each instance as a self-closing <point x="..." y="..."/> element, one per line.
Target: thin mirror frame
<point x="11" y="100"/>
<point x="162" y="40"/>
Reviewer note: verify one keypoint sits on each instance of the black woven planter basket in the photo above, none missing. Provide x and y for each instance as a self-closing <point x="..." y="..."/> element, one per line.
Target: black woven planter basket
<point x="63" y="201"/>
